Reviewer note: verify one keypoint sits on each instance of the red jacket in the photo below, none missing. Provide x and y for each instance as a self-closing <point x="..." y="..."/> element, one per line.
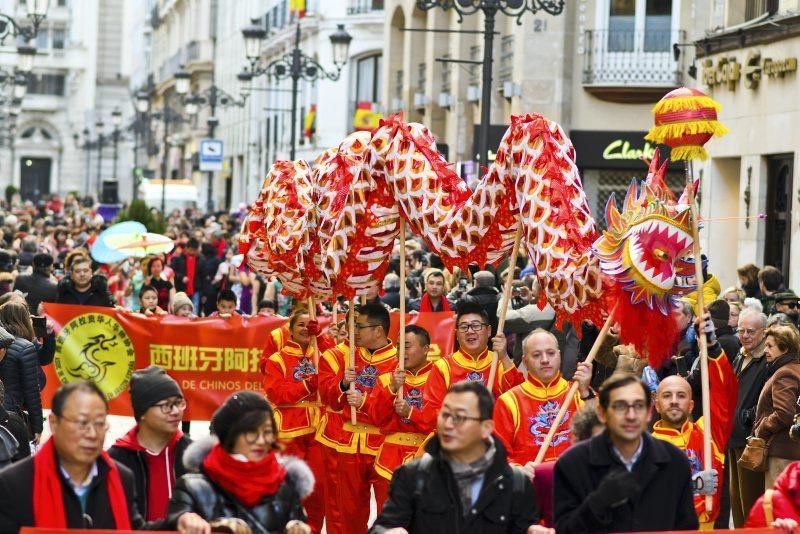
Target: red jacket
<point x="336" y="430"/>
<point x="276" y="339"/>
<point x="785" y="499"/>
<point x="290" y="383"/>
<point x="402" y="437"/>
<point x="522" y="418"/>
<point x="455" y="368"/>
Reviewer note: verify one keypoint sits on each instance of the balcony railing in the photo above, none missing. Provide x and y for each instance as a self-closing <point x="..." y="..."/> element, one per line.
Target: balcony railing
<point x="634" y="58"/>
<point x="358" y="7"/>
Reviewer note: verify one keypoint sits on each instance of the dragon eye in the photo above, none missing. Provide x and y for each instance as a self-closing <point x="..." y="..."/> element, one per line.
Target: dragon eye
<point x="660" y="254"/>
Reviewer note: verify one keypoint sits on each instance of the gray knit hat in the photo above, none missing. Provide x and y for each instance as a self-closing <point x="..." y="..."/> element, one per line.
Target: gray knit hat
<point x="149" y="386"/>
<point x="180" y="300"/>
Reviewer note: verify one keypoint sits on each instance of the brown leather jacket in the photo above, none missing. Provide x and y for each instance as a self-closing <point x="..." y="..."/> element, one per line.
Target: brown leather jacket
<point x="777" y="406"/>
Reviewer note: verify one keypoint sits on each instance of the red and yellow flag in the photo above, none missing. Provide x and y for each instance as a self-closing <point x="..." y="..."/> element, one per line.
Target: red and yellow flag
<point x="298" y="7"/>
<point x="366" y="118"/>
<point x="309" y="123"/>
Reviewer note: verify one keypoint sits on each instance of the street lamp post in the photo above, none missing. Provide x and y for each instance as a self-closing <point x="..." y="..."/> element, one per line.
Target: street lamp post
<point x="490" y="9"/>
<point x="167" y="115"/>
<point x="116" y="120"/>
<point x="212" y="98"/>
<point x="37" y="11"/>
<point x="99" y="127"/>
<point x="87" y="147"/>
<point x="295" y="64"/>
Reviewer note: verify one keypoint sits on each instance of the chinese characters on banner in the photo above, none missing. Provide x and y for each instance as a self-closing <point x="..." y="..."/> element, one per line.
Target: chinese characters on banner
<point x="210" y="358"/>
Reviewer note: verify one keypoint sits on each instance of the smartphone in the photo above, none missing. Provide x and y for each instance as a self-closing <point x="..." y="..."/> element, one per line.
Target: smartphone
<point x="39" y="325"/>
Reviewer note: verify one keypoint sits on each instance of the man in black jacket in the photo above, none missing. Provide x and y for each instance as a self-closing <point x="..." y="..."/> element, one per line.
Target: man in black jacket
<point x="81" y="287"/>
<point x="623" y="480"/>
<point x="463" y="484"/>
<point x="71" y="483"/>
<point x="750" y="367"/>
<point x="37" y="286"/>
<point x="153" y="449"/>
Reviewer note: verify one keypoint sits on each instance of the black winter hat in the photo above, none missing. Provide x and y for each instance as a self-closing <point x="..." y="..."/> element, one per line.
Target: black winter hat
<point x="149" y="386"/>
<point x="234" y="409"/>
<point x="42" y="259"/>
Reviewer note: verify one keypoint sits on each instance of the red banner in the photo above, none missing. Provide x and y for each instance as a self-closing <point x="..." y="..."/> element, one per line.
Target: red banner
<point x="210" y="358"/>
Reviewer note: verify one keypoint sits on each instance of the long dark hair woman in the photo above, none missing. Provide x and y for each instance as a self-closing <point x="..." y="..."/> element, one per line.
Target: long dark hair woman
<point x="238" y="472"/>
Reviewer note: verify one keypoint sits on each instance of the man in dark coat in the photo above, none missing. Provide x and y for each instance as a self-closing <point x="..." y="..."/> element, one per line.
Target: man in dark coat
<point x="487" y="295"/>
<point x="37" y="286"/>
<point x="71" y="482"/>
<point x="623" y="480"/>
<point x="463" y="484"/>
<point x="81" y="287"/>
<point x="207" y="267"/>
<point x="153" y="449"/>
<point x="185" y="267"/>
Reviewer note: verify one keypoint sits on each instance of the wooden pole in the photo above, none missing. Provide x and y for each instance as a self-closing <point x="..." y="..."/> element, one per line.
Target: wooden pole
<point x="352" y="324"/>
<point x="701" y="339"/>
<point x="501" y="322"/>
<point x="312" y="314"/>
<point x="401" y="341"/>
<point x="572" y="390"/>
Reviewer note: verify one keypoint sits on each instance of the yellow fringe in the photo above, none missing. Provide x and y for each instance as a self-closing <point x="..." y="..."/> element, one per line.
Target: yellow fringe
<point x="685" y="103"/>
<point x="658" y="134"/>
<point x="683" y="153"/>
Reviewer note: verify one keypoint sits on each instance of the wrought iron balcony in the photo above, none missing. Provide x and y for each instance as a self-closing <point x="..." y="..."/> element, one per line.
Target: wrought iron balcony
<point x="625" y="58"/>
<point x="358" y="7"/>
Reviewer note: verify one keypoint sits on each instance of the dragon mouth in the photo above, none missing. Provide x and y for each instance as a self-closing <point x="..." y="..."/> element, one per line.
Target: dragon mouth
<point x="655" y="245"/>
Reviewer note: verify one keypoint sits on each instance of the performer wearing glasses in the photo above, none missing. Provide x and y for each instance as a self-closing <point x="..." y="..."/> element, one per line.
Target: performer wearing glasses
<point x="153" y="449"/>
<point x="471" y="361"/>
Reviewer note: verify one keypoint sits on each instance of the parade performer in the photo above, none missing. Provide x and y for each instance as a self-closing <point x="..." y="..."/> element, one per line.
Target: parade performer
<point x="350" y="450"/>
<point x="674" y="404"/>
<point x="523" y="414"/>
<point x="470" y="362"/>
<point x="290" y="384"/>
<point x="390" y="411"/>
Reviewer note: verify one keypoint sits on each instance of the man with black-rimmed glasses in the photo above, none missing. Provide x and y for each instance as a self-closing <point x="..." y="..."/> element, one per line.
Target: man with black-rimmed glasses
<point x="472" y="362"/>
<point x="153" y="449"/>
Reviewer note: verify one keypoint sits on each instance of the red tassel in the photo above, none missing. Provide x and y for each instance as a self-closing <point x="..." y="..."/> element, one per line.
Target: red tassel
<point x="653" y="334"/>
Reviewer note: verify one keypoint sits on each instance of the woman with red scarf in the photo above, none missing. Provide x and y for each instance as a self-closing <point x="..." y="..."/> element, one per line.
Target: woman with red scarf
<point x="237" y="472"/>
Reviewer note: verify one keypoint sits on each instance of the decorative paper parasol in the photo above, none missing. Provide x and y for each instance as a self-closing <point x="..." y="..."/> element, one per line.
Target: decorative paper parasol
<point x="140" y="245"/>
<point x="103" y="253"/>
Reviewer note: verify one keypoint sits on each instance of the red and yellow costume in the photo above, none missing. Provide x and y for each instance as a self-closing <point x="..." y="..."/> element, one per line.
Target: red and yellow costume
<point x="276" y="339"/>
<point x="522" y="418"/>
<point x="402" y="436"/>
<point x="725" y="389"/>
<point x="291" y="387"/>
<point x="458" y="367"/>
<point x="349" y="450"/>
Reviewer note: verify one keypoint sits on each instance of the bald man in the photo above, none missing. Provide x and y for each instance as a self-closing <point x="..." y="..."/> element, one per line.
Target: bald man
<point x="674" y="403"/>
<point x="523" y="414"/>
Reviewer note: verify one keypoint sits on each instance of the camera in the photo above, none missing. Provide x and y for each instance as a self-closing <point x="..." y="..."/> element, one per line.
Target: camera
<point x="794" y="430"/>
<point x="462" y="283"/>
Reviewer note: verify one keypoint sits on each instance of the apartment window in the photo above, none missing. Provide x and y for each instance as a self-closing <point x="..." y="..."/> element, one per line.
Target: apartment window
<point x="42" y="39"/>
<point x="446" y="73"/>
<point x="368" y="79"/>
<point x="639" y="25"/>
<point x="474" y="69"/>
<point x="59" y="38"/>
<point x="506" y="58"/>
<point x="398" y="84"/>
<point x="421" y="71"/>
<point x="47" y="84"/>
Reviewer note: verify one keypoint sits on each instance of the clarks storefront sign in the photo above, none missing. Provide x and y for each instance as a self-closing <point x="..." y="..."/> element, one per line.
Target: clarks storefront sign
<point x="728" y="71"/>
<point x="613" y="150"/>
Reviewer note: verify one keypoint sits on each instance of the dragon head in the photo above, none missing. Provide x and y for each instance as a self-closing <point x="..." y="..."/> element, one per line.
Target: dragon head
<point x="645" y="246"/>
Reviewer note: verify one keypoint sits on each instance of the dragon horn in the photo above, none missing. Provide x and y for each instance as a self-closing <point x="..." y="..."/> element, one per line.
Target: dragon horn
<point x="613" y="217"/>
<point x="630" y="196"/>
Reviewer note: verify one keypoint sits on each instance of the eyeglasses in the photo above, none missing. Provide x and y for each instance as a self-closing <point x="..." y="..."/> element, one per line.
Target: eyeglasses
<point x="622" y="407"/>
<point x="475" y="327"/>
<point x="363" y="326"/>
<point x="100" y="426"/>
<point x="790" y="305"/>
<point x="251" y="437"/>
<point x="749" y="331"/>
<point x="457" y="418"/>
<point x="167" y="407"/>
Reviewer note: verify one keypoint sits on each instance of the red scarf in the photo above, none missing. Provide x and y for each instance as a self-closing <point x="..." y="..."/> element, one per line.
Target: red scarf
<point x="48" y="497"/>
<point x="247" y="481"/>
<point x="426" y="306"/>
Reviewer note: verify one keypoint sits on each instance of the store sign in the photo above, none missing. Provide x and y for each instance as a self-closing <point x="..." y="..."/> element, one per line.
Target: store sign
<point x="613" y="150"/>
<point x="729" y="72"/>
